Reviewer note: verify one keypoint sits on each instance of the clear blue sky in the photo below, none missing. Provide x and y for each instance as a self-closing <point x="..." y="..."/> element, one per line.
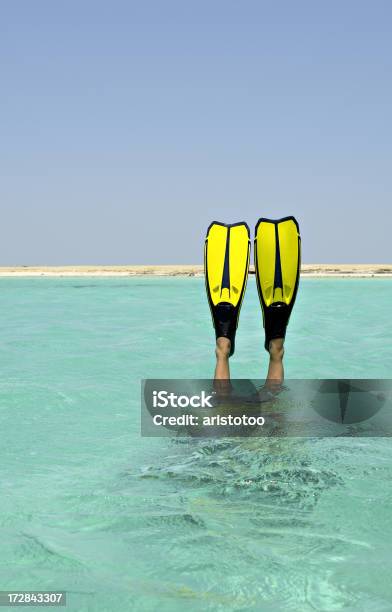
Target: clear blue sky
<point x="126" y="127"/>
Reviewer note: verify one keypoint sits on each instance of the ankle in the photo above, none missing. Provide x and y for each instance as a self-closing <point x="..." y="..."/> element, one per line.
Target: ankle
<point x="276" y="350"/>
<point x="222" y="350"/>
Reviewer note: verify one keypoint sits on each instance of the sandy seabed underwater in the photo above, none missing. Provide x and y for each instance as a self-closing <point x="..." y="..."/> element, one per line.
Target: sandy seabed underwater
<point x="122" y="522"/>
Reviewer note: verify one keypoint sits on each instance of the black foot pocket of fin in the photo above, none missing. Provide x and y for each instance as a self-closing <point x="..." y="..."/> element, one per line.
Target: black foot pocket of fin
<point x="225" y="322"/>
<point x="276" y="319"/>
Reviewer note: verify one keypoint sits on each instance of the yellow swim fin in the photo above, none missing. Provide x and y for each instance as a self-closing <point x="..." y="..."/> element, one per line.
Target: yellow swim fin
<point x="277" y="252"/>
<point x="226" y="266"/>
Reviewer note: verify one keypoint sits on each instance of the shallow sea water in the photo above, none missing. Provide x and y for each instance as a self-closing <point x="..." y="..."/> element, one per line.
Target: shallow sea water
<point x="122" y="522"/>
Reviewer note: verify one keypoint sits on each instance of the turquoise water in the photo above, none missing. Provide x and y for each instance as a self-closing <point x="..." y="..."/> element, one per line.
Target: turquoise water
<point x="122" y="522"/>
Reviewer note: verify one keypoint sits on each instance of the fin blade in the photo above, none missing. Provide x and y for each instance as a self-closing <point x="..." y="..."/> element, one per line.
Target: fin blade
<point x="227" y="262"/>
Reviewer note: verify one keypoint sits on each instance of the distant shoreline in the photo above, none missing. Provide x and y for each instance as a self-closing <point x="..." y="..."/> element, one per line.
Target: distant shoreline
<point x="307" y="270"/>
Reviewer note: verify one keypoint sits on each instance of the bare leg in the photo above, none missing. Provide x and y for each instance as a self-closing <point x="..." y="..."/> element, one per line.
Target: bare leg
<point x="275" y="369"/>
<point x="222" y="352"/>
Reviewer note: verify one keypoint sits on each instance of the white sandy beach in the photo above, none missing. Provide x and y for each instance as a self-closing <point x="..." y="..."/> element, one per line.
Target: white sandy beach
<point x="307" y="270"/>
